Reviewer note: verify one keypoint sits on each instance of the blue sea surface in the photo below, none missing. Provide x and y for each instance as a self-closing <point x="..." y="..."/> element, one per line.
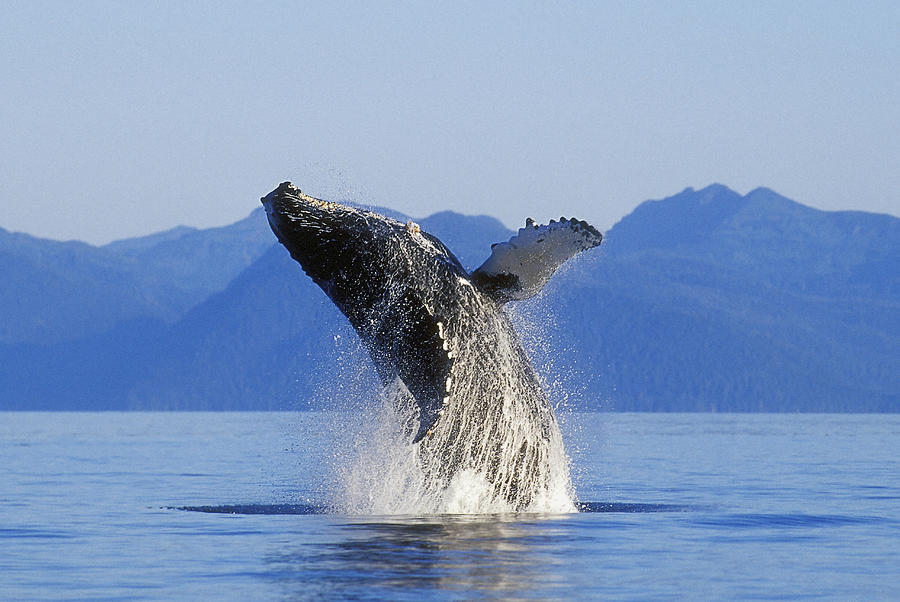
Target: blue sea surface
<point x="166" y="506"/>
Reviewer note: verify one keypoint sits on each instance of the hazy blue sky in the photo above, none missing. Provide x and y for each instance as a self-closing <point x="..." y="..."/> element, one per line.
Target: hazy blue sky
<point x="124" y="118"/>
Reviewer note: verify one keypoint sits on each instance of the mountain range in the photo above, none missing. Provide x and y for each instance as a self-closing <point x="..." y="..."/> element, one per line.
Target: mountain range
<point x="704" y="301"/>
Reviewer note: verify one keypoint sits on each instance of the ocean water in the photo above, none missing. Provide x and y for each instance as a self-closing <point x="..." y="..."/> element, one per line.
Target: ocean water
<point x="164" y="506"/>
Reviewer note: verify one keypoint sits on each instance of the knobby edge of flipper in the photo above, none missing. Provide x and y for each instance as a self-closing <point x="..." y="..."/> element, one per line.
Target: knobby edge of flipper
<point x="519" y="268"/>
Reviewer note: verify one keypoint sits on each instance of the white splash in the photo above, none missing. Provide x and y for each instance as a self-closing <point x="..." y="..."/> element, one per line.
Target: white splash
<point x="385" y="474"/>
<point x="497" y="445"/>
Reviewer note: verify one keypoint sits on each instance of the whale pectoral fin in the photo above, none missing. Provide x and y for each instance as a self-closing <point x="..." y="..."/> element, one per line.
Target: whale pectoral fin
<point x="419" y="355"/>
<point x="518" y="269"/>
<point x="426" y="372"/>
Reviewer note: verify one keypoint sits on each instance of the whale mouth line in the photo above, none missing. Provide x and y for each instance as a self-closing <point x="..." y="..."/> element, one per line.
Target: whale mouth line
<point x="313" y="508"/>
<point x="300" y="198"/>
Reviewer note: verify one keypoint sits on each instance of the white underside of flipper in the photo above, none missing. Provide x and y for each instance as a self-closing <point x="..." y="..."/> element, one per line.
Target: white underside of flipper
<point x="518" y="269"/>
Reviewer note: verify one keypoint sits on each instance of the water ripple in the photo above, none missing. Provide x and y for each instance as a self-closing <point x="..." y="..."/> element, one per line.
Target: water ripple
<point x="313" y="508"/>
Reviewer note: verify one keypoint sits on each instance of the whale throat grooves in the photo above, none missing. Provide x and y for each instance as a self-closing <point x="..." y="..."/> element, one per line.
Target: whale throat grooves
<point x="465" y="425"/>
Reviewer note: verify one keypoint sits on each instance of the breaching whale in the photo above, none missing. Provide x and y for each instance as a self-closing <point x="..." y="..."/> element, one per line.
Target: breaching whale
<point x="440" y="336"/>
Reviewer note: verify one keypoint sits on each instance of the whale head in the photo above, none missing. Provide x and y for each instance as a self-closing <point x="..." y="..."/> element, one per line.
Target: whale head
<point x="317" y="233"/>
<point x="345" y="249"/>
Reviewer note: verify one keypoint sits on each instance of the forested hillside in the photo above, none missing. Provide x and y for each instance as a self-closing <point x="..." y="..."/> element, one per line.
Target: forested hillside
<point x="704" y="301"/>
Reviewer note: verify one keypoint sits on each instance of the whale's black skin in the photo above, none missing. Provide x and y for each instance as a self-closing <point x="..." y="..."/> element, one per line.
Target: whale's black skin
<point x="425" y="322"/>
<point x="373" y="268"/>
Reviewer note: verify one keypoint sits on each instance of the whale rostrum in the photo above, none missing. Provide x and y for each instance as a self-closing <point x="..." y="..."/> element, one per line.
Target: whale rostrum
<point x="439" y="334"/>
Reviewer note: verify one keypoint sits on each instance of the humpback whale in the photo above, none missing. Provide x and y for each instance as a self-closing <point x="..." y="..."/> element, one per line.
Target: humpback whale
<point x="438" y="335"/>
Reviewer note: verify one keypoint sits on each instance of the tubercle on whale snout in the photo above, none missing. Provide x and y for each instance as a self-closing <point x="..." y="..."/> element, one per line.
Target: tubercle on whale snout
<point x="287" y="191"/>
